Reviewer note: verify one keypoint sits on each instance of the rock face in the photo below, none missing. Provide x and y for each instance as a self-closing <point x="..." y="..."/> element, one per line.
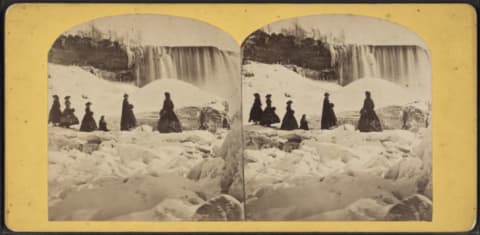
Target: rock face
<point x="390" y="117"/>
<point x="188" y="116"/>
<point x="220" y="208"/>
<point x="416" y="207"/>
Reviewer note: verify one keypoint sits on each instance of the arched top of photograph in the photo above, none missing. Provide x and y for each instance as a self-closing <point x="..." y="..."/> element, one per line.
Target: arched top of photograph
<point x="350" y="51"/>
<point x="145" y="55"/>
<point x="155" y="30"/>
<point x="341" y="29"/>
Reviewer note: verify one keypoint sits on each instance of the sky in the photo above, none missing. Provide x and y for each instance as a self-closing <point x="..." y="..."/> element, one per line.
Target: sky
<point x="357" y="29"/>
<point x="161" y="30"/>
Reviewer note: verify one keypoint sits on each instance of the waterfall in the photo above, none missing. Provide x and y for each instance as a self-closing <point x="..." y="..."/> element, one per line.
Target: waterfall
<point x="406" y="65"/>
<point x="204" y="66"/>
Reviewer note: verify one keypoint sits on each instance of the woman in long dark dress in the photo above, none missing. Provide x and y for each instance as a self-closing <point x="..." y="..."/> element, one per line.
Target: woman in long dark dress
<point x="68" y="117"/>
<point x="269" y="116"/>
<point x="289" y="121"/>
<point x="203" y="120"/>
<point x="102" y="125"/>
<point x="304" y="123"/>
<point x="328" y="115"/>
<point x="55" y="112"/>
<point x="127" y="120"/>
<point x="256" y="110"/>
<point x="168" y="121"/>
<point x="88" y="123"/>
<point x="368" y="118"/>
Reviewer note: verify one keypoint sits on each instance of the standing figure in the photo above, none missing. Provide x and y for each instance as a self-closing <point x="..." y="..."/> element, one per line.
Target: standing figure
<point x="128" y="119"/>
<point x="368" y="118"/>
<point x="256" y="110"/>
<point x="269" y="116"/>
<point x="304" y="123"/>
<point x="225" y="123"/>
<point x="202" y="119"/>
<point x="55" y="112"/>
<point x="405" y="119"/>
<point x="88" y="123"/>
<point x="168" y="121"/>
<point x="68" y="117"/>
<point x="102" y="125"/>
<point x="289" y="121"/>
<point x="328" y="115"/>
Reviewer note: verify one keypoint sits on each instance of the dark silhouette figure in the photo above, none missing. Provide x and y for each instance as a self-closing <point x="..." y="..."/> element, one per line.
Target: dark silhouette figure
<point x="55" y="112"/>
<point x="368" y="118"/>
<point x="88" y="123"/>
<point x="225" y="123"/>
<point x="289" y="122"/>
<point x="304" y="123"/>
<point x="269" y="116"/>
<point x="256" y="110"/>
<point x="405" y="119"/>
<point x="168" y="121"/>
<point x="102" y="125"/>
<point x="203" y="120"/>
<point x="68" y="117"/>
<point x="128" y="119"/>
<point x="328" y="115"/>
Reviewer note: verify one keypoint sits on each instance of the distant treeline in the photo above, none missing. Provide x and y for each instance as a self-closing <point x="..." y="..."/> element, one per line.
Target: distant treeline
<point x="286" y="49"/>
<point x="103" y="54"/>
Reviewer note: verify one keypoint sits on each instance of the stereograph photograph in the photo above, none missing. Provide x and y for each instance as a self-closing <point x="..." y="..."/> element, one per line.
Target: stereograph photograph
<point x="315" y="118"/>
<point x="144" y="121"/>
<point x="336" y="113"/>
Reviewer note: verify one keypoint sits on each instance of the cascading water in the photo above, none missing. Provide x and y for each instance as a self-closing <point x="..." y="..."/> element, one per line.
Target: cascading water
<point x="206" y="67"/>
<point x="406" y="65"/>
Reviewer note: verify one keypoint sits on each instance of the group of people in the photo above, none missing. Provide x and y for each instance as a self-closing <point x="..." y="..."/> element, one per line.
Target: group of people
<point x="168" y="121"/>
<point x="369" y="120"/>
<point x="267" y="117"/>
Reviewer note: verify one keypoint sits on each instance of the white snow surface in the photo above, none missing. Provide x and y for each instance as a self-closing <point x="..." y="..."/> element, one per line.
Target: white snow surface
<point x="183" y="94"/>
<point x="83" y="175"/>
<point x="331" y="172"/>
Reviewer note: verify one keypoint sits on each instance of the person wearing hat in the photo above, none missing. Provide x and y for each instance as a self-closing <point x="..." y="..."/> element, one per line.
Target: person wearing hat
<point x="55" y="112"/>
<point x="256" y="110"/>
<point x="168" y="121"/>
<point x="369" y="120"/>
<point x="328" y="115"/>
<point x="102" y="125"/>
<point x="269" y="116"/>
<point x="68" y="117"/>
<point x="88" y="122"/>
<point x="289" y="121"/>
<point x="127" y="120"/>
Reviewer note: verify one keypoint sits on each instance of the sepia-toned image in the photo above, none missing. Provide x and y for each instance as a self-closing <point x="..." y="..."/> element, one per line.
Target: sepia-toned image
<point x="144" y="121"/>
<point x="337" y="121"/>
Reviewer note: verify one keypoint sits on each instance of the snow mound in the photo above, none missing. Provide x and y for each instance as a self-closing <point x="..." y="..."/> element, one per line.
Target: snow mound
<point x="83" y="86"/>
<point x="284" y="85"/>
<point x="150" y="97"/>
<point x="384" y="93"/>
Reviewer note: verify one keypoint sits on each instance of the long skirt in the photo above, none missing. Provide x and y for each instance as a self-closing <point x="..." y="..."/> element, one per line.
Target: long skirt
<point x="169" y="122"/>
<point x="289" y="122"/>
<point x="88" y="124"/>
<point x="68" y="119"/>
<point x="369" y="122"/>
<point x="255" y="114"/>
<point x="269" y="117"/>
<point x="54" y="116"/>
